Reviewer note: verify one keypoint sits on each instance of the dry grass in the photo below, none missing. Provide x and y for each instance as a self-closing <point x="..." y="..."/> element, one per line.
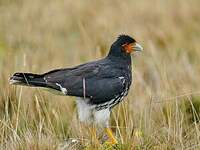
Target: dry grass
<point x="163" y="107"/>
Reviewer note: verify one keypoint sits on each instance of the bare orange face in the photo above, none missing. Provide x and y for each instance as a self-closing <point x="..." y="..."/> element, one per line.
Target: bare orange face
<point x="130" y="47"/>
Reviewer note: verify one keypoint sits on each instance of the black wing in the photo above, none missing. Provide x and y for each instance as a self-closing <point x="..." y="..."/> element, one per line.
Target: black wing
<point x="95" y="81"/>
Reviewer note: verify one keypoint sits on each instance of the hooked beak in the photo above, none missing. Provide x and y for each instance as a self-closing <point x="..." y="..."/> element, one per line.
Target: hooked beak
<point x="137" y="47"/>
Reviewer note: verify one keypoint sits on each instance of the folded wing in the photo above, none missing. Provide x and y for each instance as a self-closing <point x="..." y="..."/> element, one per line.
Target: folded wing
<point x="91" y="81"/>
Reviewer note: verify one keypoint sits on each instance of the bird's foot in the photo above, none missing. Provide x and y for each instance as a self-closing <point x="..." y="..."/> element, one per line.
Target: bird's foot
<point x="112" y="140"/>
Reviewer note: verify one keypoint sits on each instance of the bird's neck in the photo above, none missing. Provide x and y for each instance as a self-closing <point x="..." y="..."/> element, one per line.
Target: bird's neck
<point x="125" y="60"/>
<point x="117" y="55"/>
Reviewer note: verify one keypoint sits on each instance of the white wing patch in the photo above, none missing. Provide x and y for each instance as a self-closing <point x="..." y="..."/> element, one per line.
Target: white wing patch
<point x="64" y="90"/>
<point x="45" y="79"/>
<point x="121" y="77"/>
<point x="13" y="81"/>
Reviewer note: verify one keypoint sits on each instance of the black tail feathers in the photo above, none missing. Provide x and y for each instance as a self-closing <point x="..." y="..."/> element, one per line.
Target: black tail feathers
<point x="28" y="79"/>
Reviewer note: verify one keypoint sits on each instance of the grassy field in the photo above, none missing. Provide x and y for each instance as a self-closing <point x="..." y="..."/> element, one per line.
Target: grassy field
<point x="162" y="110"/>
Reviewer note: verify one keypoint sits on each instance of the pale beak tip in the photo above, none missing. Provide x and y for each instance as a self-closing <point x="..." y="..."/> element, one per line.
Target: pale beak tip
<point x="138" y="47"/>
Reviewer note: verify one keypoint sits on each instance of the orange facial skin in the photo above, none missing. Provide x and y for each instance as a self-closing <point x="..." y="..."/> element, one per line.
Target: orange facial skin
<point x="128" y="47"/>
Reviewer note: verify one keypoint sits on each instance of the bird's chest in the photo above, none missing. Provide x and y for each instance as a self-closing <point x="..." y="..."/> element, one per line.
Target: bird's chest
<point x="114" y="101"/>
<point x="118" y="98"/>
<point x="126" y="81"/>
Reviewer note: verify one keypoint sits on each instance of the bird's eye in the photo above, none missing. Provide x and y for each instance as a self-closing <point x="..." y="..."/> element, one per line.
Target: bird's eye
<point x="128" y="47"/>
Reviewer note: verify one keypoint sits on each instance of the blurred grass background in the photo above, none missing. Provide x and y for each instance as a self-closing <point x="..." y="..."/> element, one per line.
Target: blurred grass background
<point x="162" y="110"/>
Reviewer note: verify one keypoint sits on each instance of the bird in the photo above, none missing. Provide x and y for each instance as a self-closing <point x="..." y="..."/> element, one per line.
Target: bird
<point x="97" y="85"/>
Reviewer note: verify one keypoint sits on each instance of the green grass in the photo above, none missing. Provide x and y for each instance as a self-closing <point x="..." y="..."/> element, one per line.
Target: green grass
<point x="162" y="110"/>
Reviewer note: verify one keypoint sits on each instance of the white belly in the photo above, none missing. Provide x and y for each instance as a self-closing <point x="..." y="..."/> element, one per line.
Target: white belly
<point x="88" y="114"/>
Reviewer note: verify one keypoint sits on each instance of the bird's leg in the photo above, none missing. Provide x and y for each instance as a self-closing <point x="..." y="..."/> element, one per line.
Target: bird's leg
<point x="112" y="139"/>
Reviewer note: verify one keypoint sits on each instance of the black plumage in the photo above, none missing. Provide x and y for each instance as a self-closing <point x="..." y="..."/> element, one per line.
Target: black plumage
<point x="104" y="82"/>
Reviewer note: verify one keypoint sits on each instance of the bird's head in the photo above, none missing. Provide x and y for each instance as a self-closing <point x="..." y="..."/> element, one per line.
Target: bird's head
<point x="124" y="46"/>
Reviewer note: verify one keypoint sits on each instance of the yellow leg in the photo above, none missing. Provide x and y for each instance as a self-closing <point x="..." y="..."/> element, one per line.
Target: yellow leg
<point x="112" y="139"/>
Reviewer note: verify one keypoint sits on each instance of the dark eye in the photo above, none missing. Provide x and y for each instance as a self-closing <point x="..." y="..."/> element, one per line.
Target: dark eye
<point x="128" y="47"/>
